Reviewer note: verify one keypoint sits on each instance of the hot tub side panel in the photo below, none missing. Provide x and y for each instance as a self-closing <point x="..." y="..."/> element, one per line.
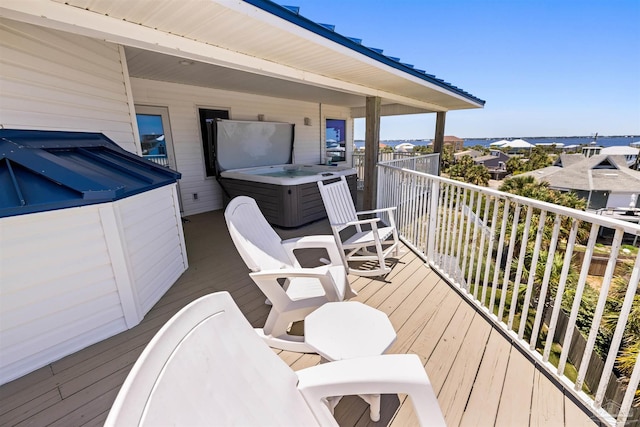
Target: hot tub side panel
<point x="284" y="205"/>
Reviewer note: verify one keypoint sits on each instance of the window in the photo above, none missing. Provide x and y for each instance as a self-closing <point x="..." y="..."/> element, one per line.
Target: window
<point x="155" y="135"/>
<point x="207" y="140"/>
<point x="335" y="137"/>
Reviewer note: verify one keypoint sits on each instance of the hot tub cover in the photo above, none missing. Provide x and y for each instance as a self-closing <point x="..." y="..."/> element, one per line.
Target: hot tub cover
<point x="48" y="170"/>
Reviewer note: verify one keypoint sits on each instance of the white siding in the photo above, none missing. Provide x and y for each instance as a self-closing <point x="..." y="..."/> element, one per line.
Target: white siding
<point x="620" y="200"/>
<point x="183" y="102"/>
<point x="154" y="243"/>
<point x="72" y="277"/>
<point x="53" y="80"/>
<point x="57" y="288"/>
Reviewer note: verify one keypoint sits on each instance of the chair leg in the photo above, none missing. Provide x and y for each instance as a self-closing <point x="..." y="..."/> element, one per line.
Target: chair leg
<point x="275" y="333"/>
<point x="276" y="324"/>
<point x="374" y="405"/>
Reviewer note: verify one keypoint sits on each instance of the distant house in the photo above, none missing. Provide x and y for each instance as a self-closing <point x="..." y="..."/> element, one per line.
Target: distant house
<point x="630" y="154"/>
<point x="495" y="162"/>
<point x="591" y="150"/>
<point x="471" y="153"/>
<point x="454" y="142"/>
<point x="605" y="181"/>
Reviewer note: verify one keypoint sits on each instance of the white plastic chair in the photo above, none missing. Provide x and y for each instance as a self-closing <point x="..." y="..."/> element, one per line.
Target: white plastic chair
<point x="272" y="260"/>
<point x="366" y="243"/>
<point x="207" y="366"/>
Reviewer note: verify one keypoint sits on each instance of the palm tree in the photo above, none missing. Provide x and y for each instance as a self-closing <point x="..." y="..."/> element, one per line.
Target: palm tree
<point x="477" y="174"/>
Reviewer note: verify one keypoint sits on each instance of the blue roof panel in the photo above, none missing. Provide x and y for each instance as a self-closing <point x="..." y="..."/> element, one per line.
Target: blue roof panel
<point x="47" y="170"/>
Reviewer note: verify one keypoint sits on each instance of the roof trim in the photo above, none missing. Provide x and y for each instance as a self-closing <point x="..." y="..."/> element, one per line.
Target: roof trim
<point x="348" y="42"/>
<point x="49" y="170"/>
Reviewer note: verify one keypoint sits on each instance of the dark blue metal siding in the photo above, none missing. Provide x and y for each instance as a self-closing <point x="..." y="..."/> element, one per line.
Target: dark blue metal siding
<point x="47" y="170"/>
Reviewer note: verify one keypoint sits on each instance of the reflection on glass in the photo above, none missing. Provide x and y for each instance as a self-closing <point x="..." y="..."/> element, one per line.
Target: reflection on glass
<point x="152" y="140"/>
<point x="336" y="140"/>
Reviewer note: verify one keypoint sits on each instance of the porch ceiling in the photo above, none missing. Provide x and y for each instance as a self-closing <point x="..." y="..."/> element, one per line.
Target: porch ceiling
<point x="156" y="66"/>
<point x="239" y="46"/>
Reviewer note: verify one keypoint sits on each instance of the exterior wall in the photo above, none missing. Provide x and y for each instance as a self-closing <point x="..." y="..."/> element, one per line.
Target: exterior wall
<point x="72" y="277"/>
<point x="492" y="161"/>
<point x="57" y="81"/>
<point x="58" y="290"/>
<point x="622" y="200"/>
<point x="183" y="102"/>
<point x="153" y="242"/>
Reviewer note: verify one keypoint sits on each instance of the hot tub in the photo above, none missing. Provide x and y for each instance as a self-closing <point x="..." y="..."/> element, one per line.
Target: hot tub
<point x="287" y="195"/>
<point x="255" y="159"/>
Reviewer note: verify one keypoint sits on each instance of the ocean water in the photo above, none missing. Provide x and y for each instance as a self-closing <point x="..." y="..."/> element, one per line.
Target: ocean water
<point x="602" y="141"/>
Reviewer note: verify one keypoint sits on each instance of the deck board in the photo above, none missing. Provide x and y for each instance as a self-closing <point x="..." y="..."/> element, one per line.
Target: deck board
<point x="484" y="398"/>
<point x="547" y="403"/>
<point x="515" y="403"/>
<point x="456" y="389"/>
<point x="480" y="379"/>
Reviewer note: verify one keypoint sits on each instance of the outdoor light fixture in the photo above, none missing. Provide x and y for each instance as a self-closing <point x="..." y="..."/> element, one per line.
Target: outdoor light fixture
<point x="185" y="62"/>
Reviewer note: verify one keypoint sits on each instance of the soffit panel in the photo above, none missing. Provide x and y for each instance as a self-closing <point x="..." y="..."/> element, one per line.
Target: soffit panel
<point x="155" y="66"/>
<point x="268" y="37"/>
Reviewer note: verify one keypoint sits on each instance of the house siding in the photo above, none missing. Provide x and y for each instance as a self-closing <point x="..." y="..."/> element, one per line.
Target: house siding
<point x="56" y="296"/>
<point x="72" y="277"/>
<point x="156" y="259"/>
<point x="53" y="80"/>
<point x="183" y="102"/>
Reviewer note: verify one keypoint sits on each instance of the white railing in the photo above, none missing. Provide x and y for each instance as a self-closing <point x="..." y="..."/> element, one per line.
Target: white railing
<point x="357" y="160"/>
<point x="160" y="159"/>
<point x="518" y="259"/>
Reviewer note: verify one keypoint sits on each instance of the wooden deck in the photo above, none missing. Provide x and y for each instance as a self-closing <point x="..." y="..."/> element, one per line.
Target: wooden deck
<point x="479" y="377"/>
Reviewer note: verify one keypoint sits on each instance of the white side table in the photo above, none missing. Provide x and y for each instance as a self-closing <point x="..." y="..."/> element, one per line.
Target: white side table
<point x="347" y="330"/>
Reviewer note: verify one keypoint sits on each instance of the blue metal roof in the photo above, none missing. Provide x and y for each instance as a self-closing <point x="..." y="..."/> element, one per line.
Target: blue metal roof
<point x="47" y="170"/>
<point x="292" y="14"/>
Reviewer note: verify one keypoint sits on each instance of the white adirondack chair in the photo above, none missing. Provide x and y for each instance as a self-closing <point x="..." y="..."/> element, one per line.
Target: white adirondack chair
<point x="370" y="243"/>
<point x="271" y="259"/>
<point x="207" y="366"/>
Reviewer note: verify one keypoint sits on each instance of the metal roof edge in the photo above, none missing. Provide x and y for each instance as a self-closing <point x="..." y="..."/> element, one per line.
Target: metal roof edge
<point x="51" y="170"/>
<point x="302" y="22"/>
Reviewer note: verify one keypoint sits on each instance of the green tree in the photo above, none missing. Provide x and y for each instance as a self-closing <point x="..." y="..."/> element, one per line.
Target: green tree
<point x="478" y="175"/>
<point x="423" y="149"/>
<point x="446" y="158"/>
<point x="515" y="166"/>
<point x="538" y="159"/>
<point x="386" y="149"/>
<point x="630" y="347"/>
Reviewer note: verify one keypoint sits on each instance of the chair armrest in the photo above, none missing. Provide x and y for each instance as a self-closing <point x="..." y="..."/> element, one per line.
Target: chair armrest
<point x="267" y="278"/>
<point x="314" y="242"/>
<point x="362" y="221"/>
<point x="389" y="209"/>
<point x="386" y="374"/>
<point x="292" y="273"/>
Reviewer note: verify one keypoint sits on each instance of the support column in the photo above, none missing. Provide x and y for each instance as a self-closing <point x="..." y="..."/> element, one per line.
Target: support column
<point x="371" y="148"/>
<point x="438" y="140"/>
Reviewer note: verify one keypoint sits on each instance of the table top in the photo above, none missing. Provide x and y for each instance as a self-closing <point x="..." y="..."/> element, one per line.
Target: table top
<point x="348" y="329"/>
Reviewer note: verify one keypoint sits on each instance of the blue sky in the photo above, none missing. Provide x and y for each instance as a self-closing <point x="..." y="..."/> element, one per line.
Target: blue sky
<point x="544" y="67"/>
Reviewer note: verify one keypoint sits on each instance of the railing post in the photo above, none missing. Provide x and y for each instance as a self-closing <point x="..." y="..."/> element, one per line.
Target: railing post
<point x="433" y="219"/>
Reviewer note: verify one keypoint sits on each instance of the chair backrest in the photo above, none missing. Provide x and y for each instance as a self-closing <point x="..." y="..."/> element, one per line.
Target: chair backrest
<point x="338" y="202"/>
<point x="258" y="244"/>
<point x="207" y="366"/>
